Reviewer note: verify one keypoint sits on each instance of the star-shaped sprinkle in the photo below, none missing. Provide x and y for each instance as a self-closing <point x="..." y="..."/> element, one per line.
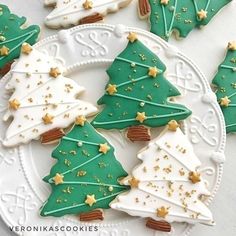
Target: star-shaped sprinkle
<point x="111" y="89"/>
<point x="225" y="101"/>
<point x="132" y="37"/>
<point x="26" y="48"/>
<point x="14" y="104"/>
<point x="80" y="120"/>
<point x="58" y="179"/>
<point x="173" y="125"/>
<point x="141" y="117"/>
<point x="202" y="14"/>
<point x="232" y="46"/>
<point x="153" y="72"/>
<point x="133" y="182"/>
<point x="165" y="2"/>
<point x="162" y="212"/>
<point x="195" y="177"/>
<point x="104" y="148"/>
<point x="47" y="119"/>
<point x="90" y="200"/>
<point x="54" y="72"/>
<point x="88" y="5"/>
<point x="4" y="51"/>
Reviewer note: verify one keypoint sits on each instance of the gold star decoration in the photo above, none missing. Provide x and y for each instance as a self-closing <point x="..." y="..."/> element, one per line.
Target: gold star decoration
<point x="162" y="212"/>
<point x="54" y="72"/>
<point x="195" y="177"/>
<point x="132" y="37"/>
<point x="111" y="89"/>
<point x="141" y="117"/>
<point x="165" y="2"/>
<point x="80" y="120"/>
<point x="232" y="46"/>
<point x="14" y="104"/>
<point x="202" y="14"/>
<point x="58" y="179"/>
<point x="133" y="182"/>
<point x="26" y="48"/>
<point x="90" y="200"/>
<point x="4" y="51"/>
<point x="88" y="5"/>
<point x="104" y="148"/>
<point x="153" y="72"/>
<point x="173" y="125"/>
<point x="225" y="101"/>
<point x="47" y="119"/>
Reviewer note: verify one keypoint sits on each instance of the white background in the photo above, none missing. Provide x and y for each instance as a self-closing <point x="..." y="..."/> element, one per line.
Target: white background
<point x="206" y="48"/>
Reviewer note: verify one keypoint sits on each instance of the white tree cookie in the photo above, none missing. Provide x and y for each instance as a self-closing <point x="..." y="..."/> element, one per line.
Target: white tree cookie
<point x="42" y="100"/>
<point x="75" y="12"/>
<point x="167" y="186"/>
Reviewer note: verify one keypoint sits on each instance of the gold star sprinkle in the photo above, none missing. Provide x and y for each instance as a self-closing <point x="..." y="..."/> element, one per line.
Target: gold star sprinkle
<point x="80" y="120"/>
<point x="14" y="104"/>
<point x="47" y="119"/>
<point x="132" y="37"/>
<point x="54" y="72"/>
<point x="90" y="200"/>
<point x="202" y="15"/>
<point x="26" y="48"/>
<point x="232" y="46"/>
<point x="194" y="177"/>
<point x="225" y="101"/>
<point x="153" y="72"/>
<point x="162" y="212"/>
<point x="104" y="148"/>
<point x="58" y="179"/>
<point x="133" y="182"/>
<point x="173" y="125"/>
<point x="88" y="5"/>
<point x="141" y="117"/>
<point x="4" y="51"/>
<point x="111" y="89"/>
<point x="164" y="2"/>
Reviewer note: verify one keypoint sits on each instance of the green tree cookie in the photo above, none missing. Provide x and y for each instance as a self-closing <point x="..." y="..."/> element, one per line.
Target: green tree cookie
<point x="86" y="174"/>
<point x="13" y="35"/>
<point x="137" y="92"/>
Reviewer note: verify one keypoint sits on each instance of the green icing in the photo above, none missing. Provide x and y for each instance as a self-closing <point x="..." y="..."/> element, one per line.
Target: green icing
<point x="98" y="171"/>
<point x="12" y="35"/>
<point x="225" y="80"/>
<point x="181" y="15"/>
<point x="138" y="92"/>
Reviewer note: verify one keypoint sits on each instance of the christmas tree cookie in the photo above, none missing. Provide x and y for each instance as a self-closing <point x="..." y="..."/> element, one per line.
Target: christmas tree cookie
<point x="85" y="177"/>
<point x="225" y="81"/>
<point x="167" y="187"/>
<point x="75" y="12"/>
<point x="137" y="93"/>
<point x="12" y="35"/>
<point x="166" y="16"/>
<point x="43" y="100"/>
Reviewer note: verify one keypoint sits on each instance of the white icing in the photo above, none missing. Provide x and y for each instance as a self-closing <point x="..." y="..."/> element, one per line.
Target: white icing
<point x="218" y="157"/>
<point x="38" y="94"/>
<point x="69" y="12"/>
<point x="163" y="159"/>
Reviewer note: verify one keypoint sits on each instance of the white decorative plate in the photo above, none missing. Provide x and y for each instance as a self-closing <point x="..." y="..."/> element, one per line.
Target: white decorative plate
<point x="87" y="51"/>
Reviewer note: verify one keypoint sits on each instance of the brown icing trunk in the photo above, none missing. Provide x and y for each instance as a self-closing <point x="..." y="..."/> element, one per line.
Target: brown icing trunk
<point x="91" y="19"/>
<point x="92" y="215"/>
<point x="4" y="70"/>
<point x="52" y="136"/>
<point x="144" y="8"/>
<point x="158" y="225"/>
<point x="138" y="133"/>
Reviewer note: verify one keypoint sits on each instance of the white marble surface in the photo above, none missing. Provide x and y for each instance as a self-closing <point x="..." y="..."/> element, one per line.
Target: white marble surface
<point x="206" y="48"/>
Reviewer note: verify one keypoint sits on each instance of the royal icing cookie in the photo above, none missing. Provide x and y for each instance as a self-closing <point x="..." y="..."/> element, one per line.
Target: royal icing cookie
<point x="167" y="186"/>
<point x="166" y="16"/>
<point x="225" y="80"/>
<point x="86" y="174"/>
<point x="74" y="12"/>
<point x="13" y="35"/>
<point x="42" y="99"/>
<point x="137" y="91"/>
